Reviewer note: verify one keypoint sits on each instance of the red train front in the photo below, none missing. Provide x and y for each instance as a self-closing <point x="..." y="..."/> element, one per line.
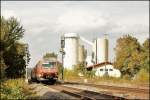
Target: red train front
<point x="45" y="70"/>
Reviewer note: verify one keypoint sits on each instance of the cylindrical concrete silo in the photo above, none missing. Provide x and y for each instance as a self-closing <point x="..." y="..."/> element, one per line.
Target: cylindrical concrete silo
<point x="100" y="50"/>
<point x="81" y="54"/>
<point x="71" y="50"/>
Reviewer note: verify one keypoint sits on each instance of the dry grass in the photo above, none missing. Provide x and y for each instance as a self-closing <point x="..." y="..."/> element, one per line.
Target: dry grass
<point x="15" y="89"/>
<point x="142" y="78"/>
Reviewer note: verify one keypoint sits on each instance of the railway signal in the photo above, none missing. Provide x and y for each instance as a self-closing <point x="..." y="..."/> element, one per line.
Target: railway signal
<point x="63" y="53"/>
<point x="26" y="77"/>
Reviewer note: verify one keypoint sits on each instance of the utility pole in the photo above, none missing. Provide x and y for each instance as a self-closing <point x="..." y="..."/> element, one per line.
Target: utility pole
<point x="63" y="53"/>
<point x="106" y="36"/>
<point x="96" y="50"/>
<point x="26" y="58"/>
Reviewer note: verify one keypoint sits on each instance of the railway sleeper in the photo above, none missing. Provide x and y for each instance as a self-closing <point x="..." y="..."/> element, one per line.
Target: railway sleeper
<point x="82" y="97"/>
<point x="104" y="95"/>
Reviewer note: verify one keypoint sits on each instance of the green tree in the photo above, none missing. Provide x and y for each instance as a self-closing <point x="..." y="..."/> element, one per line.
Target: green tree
<point x="128" y="55"/>
<point x="11" y="30"/>
<point x="2" y="68"/>
<point x="15" y="59"/>
<point x="50" y="55"/>
<point x="12" y="53"/>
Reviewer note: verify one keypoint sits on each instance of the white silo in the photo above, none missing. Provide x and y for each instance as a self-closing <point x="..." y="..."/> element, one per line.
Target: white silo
<point x="100" y="50"/>
<point x="71" y="50"/>
<point x="81" y="53"/>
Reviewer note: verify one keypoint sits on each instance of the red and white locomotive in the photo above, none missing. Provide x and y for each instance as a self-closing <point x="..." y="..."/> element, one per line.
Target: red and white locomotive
<point x="45" y="70"/>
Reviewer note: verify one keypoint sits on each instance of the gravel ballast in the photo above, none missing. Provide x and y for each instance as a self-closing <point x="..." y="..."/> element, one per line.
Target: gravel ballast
<point x="46" y="92"/>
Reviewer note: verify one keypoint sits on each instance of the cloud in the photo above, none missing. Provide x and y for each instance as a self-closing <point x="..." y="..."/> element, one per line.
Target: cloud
<point x="77" y="20"/>
<point x="8" y="13"/>
<point x="45" y="21"/>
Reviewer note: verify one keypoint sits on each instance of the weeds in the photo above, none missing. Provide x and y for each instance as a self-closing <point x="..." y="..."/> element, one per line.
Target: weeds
<point x="72" y="75"/>
<point x="15" y="89"/>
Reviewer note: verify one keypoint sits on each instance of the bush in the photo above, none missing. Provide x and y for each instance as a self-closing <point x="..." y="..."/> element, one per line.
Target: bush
<point x="2" y="68"/>
<point x="14" y="89"/>
<point x="73" y="74"/>
<point x="142" y="76"/>
<point x="70" y="74"/>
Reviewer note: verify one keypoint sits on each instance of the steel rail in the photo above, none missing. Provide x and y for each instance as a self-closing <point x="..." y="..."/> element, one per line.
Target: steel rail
<point x="84" y="94"/>
<point x="129" y="89"/>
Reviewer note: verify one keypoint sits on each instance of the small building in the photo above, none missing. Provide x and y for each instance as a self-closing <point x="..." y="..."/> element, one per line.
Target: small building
<point x="105" y="68"/>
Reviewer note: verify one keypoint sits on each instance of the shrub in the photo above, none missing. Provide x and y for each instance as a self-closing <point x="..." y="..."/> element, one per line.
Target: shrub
<point x="14" y="89"/>
<point x="142" y="76"/>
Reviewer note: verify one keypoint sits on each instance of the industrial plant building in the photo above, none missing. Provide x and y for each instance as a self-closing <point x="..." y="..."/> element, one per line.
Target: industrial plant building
<point x="105" y="68"/>
<point x="76" y="53"/>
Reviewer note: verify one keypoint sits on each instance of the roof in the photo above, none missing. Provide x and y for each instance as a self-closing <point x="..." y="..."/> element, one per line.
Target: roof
<point x="71" y="35"/>
<point x="99" y="65"/>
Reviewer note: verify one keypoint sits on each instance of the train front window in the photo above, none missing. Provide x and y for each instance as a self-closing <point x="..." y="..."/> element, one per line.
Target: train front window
<point x="49" y="65"/>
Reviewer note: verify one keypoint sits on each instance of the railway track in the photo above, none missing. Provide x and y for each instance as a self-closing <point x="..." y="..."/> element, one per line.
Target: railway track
<point x="116" y="88"/>
<point x="84" y="94"/>
<point x="73" y="89"/>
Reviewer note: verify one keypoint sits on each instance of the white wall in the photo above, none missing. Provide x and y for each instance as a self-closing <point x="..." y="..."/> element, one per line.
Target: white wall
<point x="100" y="71"/>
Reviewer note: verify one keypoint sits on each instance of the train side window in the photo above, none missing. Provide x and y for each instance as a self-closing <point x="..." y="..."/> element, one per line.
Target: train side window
<point x="110" y="69"/>
<point x="106" y="69"/>
<point x="101" y="69"/>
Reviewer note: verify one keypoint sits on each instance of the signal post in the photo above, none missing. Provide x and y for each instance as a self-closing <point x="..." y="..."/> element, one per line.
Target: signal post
<point x="63" y="53"/>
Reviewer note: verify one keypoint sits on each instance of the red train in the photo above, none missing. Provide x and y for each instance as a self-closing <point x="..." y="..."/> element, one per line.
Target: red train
<point x="45" y="70"/>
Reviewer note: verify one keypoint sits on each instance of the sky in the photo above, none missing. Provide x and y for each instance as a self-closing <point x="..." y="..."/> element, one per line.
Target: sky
<point x="45" y="21"/>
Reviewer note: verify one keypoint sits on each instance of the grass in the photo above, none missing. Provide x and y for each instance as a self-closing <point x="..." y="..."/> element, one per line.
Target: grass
<point x="15" y="89"/>
<point x="18" y="89"/>
<point x="141" y="78"/>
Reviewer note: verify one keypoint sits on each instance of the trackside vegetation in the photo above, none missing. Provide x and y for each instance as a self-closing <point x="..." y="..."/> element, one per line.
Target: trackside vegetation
<point x="16" y="89"/>
<point x="132" y="58"/>
<point x="14" y="57"/>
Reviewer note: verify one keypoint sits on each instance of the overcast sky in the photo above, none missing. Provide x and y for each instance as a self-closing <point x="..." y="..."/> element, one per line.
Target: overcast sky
<point x="45" y="21"/>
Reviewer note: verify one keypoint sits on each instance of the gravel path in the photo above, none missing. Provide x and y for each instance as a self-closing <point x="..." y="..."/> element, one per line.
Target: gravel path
<point x="45" y="92"/>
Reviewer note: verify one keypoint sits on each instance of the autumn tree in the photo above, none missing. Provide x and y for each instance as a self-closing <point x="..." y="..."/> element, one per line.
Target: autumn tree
<point x="145" y="61"/>
<point x="128" y="56"/>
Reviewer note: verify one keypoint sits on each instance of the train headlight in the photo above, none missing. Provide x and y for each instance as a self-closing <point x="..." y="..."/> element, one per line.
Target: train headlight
<point x="39" y="75"/>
